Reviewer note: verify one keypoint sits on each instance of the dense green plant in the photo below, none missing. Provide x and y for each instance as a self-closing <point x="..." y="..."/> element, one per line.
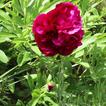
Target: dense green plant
<point x="25" y="73"/>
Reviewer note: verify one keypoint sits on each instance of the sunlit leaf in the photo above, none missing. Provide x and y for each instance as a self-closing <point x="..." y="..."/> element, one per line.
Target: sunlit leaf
<point x="3" y="57"/>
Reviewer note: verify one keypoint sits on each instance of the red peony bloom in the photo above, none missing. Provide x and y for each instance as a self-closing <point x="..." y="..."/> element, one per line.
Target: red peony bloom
<point x="50" y="86"/>
<point x="59" y="31"/>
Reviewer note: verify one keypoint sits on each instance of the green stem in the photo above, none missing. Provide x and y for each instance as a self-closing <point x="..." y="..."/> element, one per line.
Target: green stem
<point x="9" y="71"/>
<point x="61" y="82"/>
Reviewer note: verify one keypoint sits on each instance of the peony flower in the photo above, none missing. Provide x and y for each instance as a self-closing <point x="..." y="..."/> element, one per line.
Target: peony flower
<point x="50" y="86"/>
<point x="59" y="31"/>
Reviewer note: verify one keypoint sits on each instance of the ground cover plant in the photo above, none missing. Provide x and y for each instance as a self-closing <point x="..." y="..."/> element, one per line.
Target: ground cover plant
<point x="29" y="78"/>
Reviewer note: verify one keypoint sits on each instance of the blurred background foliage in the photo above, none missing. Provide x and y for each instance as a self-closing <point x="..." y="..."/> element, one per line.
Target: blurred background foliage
<point x="25" y="72"/>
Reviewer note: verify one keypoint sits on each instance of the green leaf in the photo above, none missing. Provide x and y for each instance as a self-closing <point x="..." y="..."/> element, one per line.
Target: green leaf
<point x="4" y="15"/>
<point x="12" y="88"/>
<point x="79" y="54"/>
<point x="86" y="65"/>
<point x="1" y="5"/>
<point x="18" y="20"/>
<point x="36" y="93"/>
<point x="23" y="5"/>
<point x="30" y="82"/>
<point x="50" y="100"/>
<point x="19" y="103"/>
<point x="17" y="6"/>
<point x="36" y="50"/>
<point x="49" y="78"/>
<point x="49" y="6"/>
<point x="23" y="58"/>
<point x="4" y="36"/>
<point x="84" y="5"/>
<point x="89" y="40"/>
<point x="97" y="3"/>
<point x="31" y="2"/>
<point x="33" y="76"/>
<point x="3" y="102"/>
<point x="3" y="57"/>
